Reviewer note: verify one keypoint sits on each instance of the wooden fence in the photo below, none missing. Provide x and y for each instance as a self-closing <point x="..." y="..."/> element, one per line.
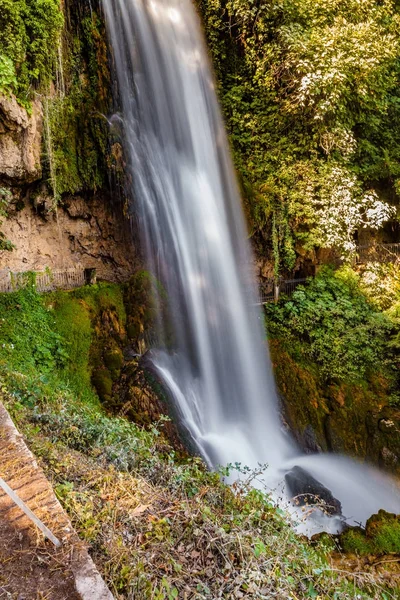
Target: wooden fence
<point x="45" y="281"/>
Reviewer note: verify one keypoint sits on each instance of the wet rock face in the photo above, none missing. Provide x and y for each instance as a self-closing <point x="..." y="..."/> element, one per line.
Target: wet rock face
<point x="139" y="396"/>
<point x="20" y="141"/>
<point x="384" y="438"/>
<point x="307" y="491"/>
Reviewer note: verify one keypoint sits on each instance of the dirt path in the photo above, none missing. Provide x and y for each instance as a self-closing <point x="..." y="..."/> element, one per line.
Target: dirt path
<point x="31" y="568"/>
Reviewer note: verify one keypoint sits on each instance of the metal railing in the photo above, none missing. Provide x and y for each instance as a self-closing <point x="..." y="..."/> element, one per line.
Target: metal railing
<point x="377" y="253"/>
<point x="44" y="281"/>
<point x="272" y="289"/>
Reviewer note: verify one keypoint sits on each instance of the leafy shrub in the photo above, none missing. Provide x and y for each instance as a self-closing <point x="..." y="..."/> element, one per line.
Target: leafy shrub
<point x="381" y="284"/>
<point x="8" y="78"/>
<point x="27" y="336"/>
<point x="331" y="322"/>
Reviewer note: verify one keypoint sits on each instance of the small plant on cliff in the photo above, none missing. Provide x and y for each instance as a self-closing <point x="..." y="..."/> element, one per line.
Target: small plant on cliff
<point x="8" y="79"/>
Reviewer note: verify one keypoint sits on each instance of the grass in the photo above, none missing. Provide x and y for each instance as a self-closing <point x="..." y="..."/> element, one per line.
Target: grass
<point x="159" y="527"/>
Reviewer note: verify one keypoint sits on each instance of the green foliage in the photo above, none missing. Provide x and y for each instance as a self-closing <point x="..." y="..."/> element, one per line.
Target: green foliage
<point x="380" y="282"/>
<point x="29" y="40"/>
<point x="120" y="483"/>
<point x="28" y="339"/>
<point x="76" y="129"/>
<point x="310" y="95"/>
<point x="332" y="323"/>
<point x="52" y="336"/>
<point x="148" y="516"/>
<point x="8" y="79"/>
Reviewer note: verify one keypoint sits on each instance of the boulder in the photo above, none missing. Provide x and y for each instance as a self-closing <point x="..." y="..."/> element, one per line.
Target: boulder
<point x="305" y="490"/>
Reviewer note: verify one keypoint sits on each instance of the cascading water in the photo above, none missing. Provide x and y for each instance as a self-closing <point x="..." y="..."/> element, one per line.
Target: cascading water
<point x="216" y="366"/>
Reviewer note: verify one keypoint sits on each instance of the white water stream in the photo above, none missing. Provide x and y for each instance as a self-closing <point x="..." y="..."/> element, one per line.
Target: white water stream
<point x="215" y="364"/>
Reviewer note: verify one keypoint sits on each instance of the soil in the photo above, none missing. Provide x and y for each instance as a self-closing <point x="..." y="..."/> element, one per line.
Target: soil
<point x="33" y="569"/>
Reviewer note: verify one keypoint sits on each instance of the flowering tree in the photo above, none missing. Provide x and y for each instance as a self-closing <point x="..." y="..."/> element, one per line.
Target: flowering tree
<point x="311" y="97"/>
<point x="341" y="207"/>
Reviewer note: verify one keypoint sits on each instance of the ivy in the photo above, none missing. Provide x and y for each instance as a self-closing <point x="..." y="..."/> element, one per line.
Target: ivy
<point x="5" y="198"/>
<point x="29" y="40"/>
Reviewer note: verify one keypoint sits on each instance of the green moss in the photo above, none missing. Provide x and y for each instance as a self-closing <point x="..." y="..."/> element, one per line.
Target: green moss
<point x="354" y="541"/>
<point x="145" y="299"/>
<point x="133" y="331"/>
<point x="72" y="320"/>
<point x="113" y="359"/>
<point x="102" y="381"/>
<point x="381" y="536"/>
<point x="384" y="531"/>
<point x="103" y="296"/>
<point x="77" y="131"/>
<point x="303" y="397"/>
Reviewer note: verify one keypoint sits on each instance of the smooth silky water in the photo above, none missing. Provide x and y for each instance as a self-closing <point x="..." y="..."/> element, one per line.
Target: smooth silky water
<point x="212" y="356"/>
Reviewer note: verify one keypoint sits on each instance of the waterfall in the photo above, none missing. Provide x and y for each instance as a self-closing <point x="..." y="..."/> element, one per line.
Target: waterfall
<point x="212" y="356"/>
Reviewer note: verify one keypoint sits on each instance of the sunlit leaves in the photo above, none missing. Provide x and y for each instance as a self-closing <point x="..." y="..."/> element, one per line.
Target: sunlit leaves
<point x="310" y="93"/>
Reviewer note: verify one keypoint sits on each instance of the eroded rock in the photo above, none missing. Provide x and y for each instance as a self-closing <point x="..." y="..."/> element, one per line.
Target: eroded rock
<point x="20" y="140"/>
<point x="49" y="237"/>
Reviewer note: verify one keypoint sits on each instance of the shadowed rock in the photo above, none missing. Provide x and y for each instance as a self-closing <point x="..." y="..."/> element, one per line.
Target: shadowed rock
<point x="305" y="490"/>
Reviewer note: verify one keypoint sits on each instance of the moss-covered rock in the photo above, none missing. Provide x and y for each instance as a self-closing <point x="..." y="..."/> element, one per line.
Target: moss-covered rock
<point x="92" y="321"/>
<point x="305" y="406"/>
<point x="380" y="536"/>
<point x="138" y="396"/>
<point x="349" y="418"/>
<point x="354" y="541"/>
<point x="103" y="383"/>
<point x="113" y="360"/>
<point x="141" y="305"/>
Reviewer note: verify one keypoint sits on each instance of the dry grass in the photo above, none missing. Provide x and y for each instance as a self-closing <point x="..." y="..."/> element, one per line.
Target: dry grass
<point x="161" y="537"/>
<point x="160" y="528"/>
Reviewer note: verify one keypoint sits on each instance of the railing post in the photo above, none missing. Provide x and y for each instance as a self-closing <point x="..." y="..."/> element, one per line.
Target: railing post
<point x="276" y="290"/>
